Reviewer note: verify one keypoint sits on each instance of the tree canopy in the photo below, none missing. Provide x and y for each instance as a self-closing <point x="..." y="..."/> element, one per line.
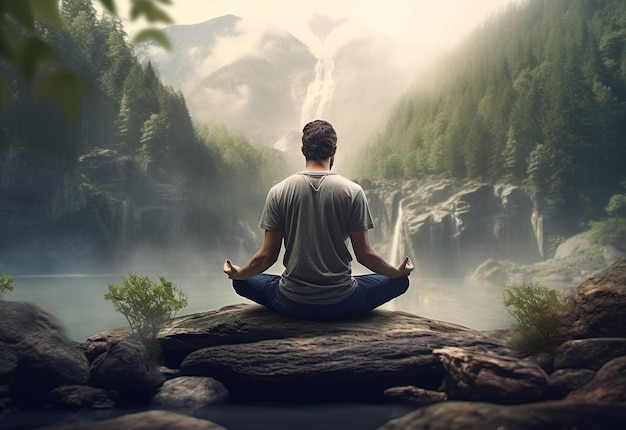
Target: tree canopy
<point x="535" y="97"/>
<point x="25" y="50"/>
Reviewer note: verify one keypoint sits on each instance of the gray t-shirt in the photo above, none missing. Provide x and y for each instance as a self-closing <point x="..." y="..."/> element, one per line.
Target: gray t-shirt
<point x="316" y="213"/>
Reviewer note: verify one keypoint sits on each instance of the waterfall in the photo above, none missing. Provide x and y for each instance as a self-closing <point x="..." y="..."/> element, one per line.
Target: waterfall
<point x="320" y="91"/>
<point x="123" y="225"/>
<point x="396" y="242"/>
<point x="455" y="237"/>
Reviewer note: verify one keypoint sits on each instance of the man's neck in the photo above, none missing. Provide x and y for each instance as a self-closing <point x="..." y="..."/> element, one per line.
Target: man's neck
<point x="317" y="165"/>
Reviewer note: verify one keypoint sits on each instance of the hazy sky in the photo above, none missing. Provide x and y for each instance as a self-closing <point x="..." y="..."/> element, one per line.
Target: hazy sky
<point x="431" y="25"/>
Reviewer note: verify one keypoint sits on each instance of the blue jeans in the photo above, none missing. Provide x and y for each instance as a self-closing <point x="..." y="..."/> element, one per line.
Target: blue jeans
<point x="372" y="291"/>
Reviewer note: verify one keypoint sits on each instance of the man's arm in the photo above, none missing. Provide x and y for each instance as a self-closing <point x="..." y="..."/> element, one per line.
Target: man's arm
<point x="261" y="261"/>
<point x="368" y="257"/>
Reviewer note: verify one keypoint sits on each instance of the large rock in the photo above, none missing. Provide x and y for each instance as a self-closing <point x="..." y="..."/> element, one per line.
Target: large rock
<point x="563" y="381"/>
<point x="608" y="385"/>
<point x="254" y="350"/>
<point x="190" y="392"/>
<point x="46" y="361"/>
<point x="127" y="368"/>
<point x="597" y="304"/>
<point x="37" y="355"/>
<point x="457" y="415"/>
<point x="151" y="420"/>
<point x="589" y="353"/>
<point x="482" y="375"/>
<point x="83" y="396"/>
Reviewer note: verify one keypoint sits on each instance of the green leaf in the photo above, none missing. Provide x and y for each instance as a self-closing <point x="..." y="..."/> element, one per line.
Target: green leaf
<point x="47" y="11"/>
<point x="30" y="54"/>
<point x="153" y="34"/>
<point x="21" y="12"/>
<point x="67" y="87"/>
<point x="109" y="5"/>
<point x="151" y="12"/>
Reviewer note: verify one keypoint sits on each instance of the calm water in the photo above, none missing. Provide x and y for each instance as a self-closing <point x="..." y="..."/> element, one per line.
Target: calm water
<point x="77" y="300"/>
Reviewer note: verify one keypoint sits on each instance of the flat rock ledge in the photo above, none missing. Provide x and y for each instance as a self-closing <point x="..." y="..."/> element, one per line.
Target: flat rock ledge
<point x="254" y="351"/>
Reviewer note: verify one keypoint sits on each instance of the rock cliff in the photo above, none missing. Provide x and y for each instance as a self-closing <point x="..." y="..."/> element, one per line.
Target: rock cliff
<point x="451" y="231"/>
<point x="106" y="213"/>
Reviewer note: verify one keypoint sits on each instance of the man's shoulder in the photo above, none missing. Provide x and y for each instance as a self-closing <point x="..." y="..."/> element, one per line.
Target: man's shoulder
<point x="348" y="183"/>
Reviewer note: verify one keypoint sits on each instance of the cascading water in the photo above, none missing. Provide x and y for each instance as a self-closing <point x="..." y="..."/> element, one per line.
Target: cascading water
<point x="320" y="91"/>
<point x="396" y="241"/>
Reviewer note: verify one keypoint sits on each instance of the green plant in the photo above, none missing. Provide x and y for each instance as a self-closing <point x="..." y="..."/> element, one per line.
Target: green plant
<point x="146" y="304"/>
<point x="617" y="206"/>
<point x="611" y="231"/>
<point x="6" y="283"/>
<point x="539" y="313"/>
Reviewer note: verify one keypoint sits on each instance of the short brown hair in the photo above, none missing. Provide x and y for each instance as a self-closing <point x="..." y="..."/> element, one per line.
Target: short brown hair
<point x="319" y="140"/>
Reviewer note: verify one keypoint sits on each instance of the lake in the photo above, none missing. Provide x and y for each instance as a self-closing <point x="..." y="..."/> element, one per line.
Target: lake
<point x="78" y="300"/>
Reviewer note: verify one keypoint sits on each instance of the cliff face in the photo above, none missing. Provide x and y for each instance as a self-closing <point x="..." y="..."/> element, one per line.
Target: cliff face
<point x="450" y="232"/>
<point x="106" y="213"/>
<point x="110" y="212"/>
<point x="40" y="198"/>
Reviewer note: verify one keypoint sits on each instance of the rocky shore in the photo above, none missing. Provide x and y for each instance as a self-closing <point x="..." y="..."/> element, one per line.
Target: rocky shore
<point x="454" y="377"/>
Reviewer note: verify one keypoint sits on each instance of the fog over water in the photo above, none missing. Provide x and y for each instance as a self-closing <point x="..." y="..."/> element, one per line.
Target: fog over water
<point x="77" y="300"/>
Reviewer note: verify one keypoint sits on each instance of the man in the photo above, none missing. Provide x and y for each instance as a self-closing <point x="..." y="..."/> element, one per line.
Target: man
<point x="315" y="212"/>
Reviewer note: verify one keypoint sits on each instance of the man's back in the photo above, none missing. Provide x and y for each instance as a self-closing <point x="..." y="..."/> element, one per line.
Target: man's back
<point x="316" y="211"/>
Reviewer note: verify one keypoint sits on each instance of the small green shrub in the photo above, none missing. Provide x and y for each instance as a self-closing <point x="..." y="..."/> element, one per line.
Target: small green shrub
<point x="539" y="313"/>
<point x="609" y="232"/>
<point x="146" y="304"/>
<point x="617" y="206"/>
<point x="6" y="283"/>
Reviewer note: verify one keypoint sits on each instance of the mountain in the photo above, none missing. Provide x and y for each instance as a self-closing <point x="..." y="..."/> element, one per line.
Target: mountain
<point x="256" y="78"/>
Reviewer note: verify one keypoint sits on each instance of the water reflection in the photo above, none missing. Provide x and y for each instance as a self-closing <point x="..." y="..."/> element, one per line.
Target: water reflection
<point x="78" y="300"/>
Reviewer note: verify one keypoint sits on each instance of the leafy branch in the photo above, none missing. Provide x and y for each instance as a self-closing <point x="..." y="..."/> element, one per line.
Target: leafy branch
<point x="37" y="63"/>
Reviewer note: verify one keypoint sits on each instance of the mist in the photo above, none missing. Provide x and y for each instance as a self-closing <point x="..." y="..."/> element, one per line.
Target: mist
<point x="371" y="53"/>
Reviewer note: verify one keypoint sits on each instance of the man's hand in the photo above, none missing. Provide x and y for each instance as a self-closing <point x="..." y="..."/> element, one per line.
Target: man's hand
<point x="232" y="270"/>
<point x="406" y="267"/>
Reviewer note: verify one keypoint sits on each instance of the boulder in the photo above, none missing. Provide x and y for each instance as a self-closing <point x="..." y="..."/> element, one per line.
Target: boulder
<point x="589" y="353"/>
<point x="457" y="415"/>
<point x="607" y="385"/>
<point x="416" y="395"/>
<point x="151" y="420"/>
<point x="83" y="396"/>
<point x="37" y="356"/>
<point x="597" y="304"/>
<point x="127" y="368"/>
<point x="46" y="361"/>
<point x="563" y="381"/>
<point x="190" y="392"/>
<point x="482" y="375"/>
<point x="248" y="323"/>
<point x="253" y="350"/>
